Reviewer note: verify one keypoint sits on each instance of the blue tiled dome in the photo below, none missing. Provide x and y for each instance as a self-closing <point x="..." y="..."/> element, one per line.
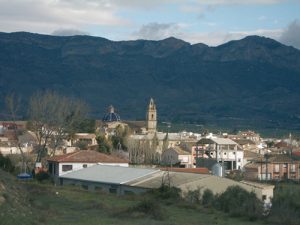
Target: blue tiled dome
<point x="111" y="116"/>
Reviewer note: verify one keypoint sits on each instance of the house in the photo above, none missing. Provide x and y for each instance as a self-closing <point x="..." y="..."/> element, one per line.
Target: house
<point x="250" y="156"/>
<point x="249" y="135"/>
<point x="281" y="147"/>
<point x="247" y="145"/>
<point x="10" y="144"/>
<point x="62" y="164"/>
<point x="273" y="167"/>
<point x="125" y="180"/>
<point x="11" y="125"/>
<point x="176" y="155"/>
<point x="89" y="139"/>
<point x="221" y="150"/>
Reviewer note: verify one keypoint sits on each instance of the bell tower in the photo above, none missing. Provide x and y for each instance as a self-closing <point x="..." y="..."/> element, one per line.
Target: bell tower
<point x="151" y="116"/>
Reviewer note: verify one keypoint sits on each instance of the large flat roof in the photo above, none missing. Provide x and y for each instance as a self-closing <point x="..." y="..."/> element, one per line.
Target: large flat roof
<point x="190" y="181"/>
<point x="219" y="141"/>
<point x="109" y="174"/>
<point x="154" y="178"/>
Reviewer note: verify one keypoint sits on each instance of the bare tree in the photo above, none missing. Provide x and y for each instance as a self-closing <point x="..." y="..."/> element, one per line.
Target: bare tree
<point x="52" y="118"/>
<point x="133" y="149"/>
<point x="12" y="105"/>
<point x="143" y="150"/>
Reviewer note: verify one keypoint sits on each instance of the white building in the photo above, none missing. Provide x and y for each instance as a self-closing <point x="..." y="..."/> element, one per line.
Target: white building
<point x="121" y="180"/>
<point x="62" y="164"/>
<point x="225" y="151"/>
<point x="176" y="155"/>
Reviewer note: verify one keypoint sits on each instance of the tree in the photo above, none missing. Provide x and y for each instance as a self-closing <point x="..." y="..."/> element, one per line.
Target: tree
<point x="53" y="117"/>
<point x="119" y="138"/>
<point x="134" y="149"/>
<point x="104" y="145"/>
<point x="6" y="164"/>
<point x="12" y="105"/>
<point x="238" y="202"/>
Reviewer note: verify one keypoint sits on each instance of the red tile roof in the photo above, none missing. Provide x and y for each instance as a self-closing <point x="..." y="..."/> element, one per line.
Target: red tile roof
<point x="280" y="159"/>
<point x="282" y="144"/>
<point x="296" y="154"/>
<point x="201" y="170"/>
<point x="87" y="156"/>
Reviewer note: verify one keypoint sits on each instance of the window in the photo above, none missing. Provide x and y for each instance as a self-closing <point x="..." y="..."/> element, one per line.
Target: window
<point x="276" y="168"/>
<point x="67" y="168"/>
<point x="85" y="187"/>
<point x="97" y="188"/>
<point x="293" y="168"/>
<point x="113" y="190"/>
<point x="50" y="167"/>
<point x="264" y="197"/>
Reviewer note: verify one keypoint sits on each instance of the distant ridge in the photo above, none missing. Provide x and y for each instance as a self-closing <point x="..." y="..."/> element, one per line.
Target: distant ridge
<point x="253" y="81"/>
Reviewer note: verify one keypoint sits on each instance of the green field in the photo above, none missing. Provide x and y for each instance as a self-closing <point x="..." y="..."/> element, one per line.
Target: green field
<point x="34" y="203"/>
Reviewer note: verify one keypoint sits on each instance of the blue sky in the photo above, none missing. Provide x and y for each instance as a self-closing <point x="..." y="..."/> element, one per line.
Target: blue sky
<point x="212" y="22"/>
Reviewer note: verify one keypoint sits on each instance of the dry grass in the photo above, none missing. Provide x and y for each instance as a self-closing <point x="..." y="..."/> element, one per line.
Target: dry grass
<point x="34" y="203"/>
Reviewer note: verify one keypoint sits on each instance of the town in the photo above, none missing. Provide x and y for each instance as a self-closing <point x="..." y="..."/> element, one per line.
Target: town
<point x="123" y="157"/>
<point x="149" y="112"/>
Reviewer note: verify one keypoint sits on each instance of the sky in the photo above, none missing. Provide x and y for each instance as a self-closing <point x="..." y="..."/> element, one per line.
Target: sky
<point x="212" y="22"/>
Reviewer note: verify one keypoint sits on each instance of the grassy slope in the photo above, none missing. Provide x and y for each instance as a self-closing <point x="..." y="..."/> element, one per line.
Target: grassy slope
<point x="33" y="203"/>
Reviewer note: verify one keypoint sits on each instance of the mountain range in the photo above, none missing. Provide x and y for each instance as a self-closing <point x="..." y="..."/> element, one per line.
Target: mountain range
<point x="253" y="81"/>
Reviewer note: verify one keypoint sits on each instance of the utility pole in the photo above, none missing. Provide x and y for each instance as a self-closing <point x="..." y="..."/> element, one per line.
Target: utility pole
<point x="266" y="155"/>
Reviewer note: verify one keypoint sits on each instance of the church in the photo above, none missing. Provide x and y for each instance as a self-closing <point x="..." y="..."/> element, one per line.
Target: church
<point x="145" y="143"/>
<point x="111" y="120"/>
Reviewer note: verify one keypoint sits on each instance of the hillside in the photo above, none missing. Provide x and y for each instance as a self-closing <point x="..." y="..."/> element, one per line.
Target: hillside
<point x="252" y="82"/>
<point x="44" y="204"/>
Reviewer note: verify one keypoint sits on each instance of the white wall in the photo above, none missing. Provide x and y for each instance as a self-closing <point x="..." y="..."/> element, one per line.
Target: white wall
<point x="115" y="164"/>
<point x="14" y="150"/>
<point x="229" y="155"/>
<point x="79" y="166"/>
<point x="185" y="159"/>
<point x="75" y="166"/>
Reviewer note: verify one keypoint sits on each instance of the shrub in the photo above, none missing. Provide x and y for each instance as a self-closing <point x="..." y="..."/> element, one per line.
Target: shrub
<point x="166" y="192"/>
<point x="236" y="175"/>
<point x="148" y="207"/>
<point x="207" y="197"/>
<point x="238" y="203"/>
<point x="42" y="176"/>
<point x="286" y="206"/>
<point x="6" y="164"/>
<point x="193" y="196"/>
<point x="82" y="145"/>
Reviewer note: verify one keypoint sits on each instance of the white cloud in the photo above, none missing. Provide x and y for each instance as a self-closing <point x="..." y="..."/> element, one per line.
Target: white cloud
<point x="158" y="31"/>
<point x="291" y="35"/>
<point x="238" y="2"/>
<point x="185" y="4"/>
<point x="274" y="34"/>
<point x="71" y="16"/>
<point x="68" y="32"/>
<point x="48" y="15"/>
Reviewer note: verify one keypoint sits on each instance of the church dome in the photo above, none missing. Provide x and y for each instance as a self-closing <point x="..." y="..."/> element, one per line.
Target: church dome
<point x="111" y="116"/>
